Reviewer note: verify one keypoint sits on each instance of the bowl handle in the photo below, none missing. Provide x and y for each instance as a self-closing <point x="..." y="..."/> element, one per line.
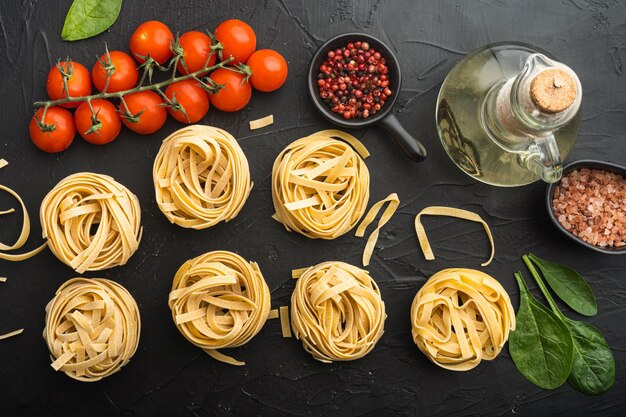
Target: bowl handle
<point x="411" y="146"/>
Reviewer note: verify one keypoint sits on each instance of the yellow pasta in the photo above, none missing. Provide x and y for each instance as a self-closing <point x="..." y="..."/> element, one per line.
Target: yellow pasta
<point x="3" y="279"/>
<point x="394" y="202"/>
<point x="92" y="328"/>
<point x="460" y="317"/>
<point x="337" y="312"/>
<point x="262" y="122"/>
<point x="450" y="212"/>
<point x="201" y="177"/>
<point x="219" y="300"/>
<point x="320" y="185"/>
<point x="91" y="222"/>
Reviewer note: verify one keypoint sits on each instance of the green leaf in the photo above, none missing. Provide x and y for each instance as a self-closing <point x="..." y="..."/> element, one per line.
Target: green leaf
<point x="87" y="18"/>
<point x="568" y="285"/>
<point x="541" y="345"/>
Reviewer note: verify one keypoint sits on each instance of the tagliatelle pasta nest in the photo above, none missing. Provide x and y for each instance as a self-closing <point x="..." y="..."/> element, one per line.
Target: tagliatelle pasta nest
<point x="219" y="300"/>
<point x="201" y="177"/>
<point x="320" y="185"/>
<point x="337" y="312"/>
<point x="460" y="317"/>
<point x="92" y="328"/>
<point x="91" y="222"/>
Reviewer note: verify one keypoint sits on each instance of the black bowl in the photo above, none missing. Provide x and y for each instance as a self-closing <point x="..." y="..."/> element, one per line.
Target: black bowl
<point x="385" y="116"/>
<point x="606" y="166"/>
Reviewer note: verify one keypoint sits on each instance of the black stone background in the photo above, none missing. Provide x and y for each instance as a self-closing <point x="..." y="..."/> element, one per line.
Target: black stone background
<point x="170" y="377"/>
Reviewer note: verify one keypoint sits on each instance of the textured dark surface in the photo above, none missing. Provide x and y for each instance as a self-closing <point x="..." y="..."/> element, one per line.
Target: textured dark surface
<point x="169" y="376"/>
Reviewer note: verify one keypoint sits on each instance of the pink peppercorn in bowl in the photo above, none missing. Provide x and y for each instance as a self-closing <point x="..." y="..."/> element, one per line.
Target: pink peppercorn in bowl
<point x="588" y="205"/>
<point x="393" y="79"/>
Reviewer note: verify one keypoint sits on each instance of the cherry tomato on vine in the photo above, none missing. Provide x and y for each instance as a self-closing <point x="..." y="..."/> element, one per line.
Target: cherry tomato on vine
<point x="192" y="99"/>
<point x="196" y="50"/>
<point x="269" y="70"/>
<point x="147" y="114"/>
<point x="238" y="40"/>
<point x="108" y="121"/>
<point x="78" y="83"/>
<point x="124" y="73"/>
<point x="152" y="38"/>
<point x="234" y="95"/>
<point x="58" y="133"/>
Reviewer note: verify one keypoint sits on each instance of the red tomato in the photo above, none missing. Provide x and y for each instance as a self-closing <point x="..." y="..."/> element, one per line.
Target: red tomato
<point x="236" y="92"/>
<point x="123" y="77"/>
<point x="61" y="135"/>
<point x="269" y="70"/>
<point x="238" y="40"/>
<point x="196" y="50"/>
<point x="107" y="116"/>
<point x="78" y="85"/>
<point x="191" y="97"/>
<point x="152" y="38"/>
<point x="146" y="108"/>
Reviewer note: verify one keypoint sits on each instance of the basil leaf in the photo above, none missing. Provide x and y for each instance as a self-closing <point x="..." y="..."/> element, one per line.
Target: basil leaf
<point x="568" y="285"/>
<point x="541" y="345"/>
<point x="87" y="18"/>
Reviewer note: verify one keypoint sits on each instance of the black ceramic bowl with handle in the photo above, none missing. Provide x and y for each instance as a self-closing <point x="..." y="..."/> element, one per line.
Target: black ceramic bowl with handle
<point x="385" y="117"/>
<point x="591" y="164"/>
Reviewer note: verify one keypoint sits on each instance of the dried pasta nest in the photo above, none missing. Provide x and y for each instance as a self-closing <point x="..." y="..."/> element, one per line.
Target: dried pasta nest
<point x="92" y="328"/>
<point x="337" y="312"/>
<point x="91" y="222"/>
<point x="201" y="177"/>
<point x="460" y="317"/>
<point x="320" y="185"/>
<point x="219" y="300"/>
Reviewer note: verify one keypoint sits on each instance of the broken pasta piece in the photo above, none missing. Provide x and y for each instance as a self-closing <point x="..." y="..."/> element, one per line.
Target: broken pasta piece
<point x="394" y="202"/>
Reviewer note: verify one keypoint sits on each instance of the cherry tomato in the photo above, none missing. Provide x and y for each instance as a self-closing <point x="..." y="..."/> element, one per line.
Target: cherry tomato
<point x="147" y="110"/>
<point x="108" y="118"/>
<point x="269" y="70"/>
<point x="196" y="50"/>
<point x="152" y="38"/>
<point x="237" y="38"/>
<point x="61" y="135"/>
<point x="78" y="85"/>
<point x="191" y="97"/>
<point x="123" y="77"/>
<point x="236" y="92"/>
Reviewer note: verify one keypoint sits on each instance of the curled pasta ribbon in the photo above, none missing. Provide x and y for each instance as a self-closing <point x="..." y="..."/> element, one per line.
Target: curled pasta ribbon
<point x="320" y="185"/>
<point x="460" y="317"/>
<point x="394" y="202"/>
<point x="219" y="300"/>
<point x="91" y="222"/>
<point x="201" y="177"/>
<point x="450" y="212"/>
<point x="92" y="328"/>
<point x="337" y="312"/>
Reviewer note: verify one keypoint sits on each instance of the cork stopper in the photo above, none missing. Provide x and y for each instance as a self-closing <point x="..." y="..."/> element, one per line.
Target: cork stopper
<point x="553" y="90"/>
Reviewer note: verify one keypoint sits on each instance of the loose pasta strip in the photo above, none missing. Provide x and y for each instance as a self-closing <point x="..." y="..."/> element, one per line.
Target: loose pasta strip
<point x="3" y="279"/>
<point x="450" y="212"/>
<point x="337" y="312"/>
<point x="92" y="328"/>
<point x="394" y="202"/>
<point x="460" y="317"/>
<point x="91" y="222"/>
<point x="320" y="184"/>
<point x="262" y="122"/>
<point x="201" y="177"/>
<point x="219" y="300"/>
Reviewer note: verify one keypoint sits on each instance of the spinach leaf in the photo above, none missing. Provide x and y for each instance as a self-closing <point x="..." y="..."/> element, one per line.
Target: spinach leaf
<point x="541" y="345"/>
<point x="87" y="18"/>
<point x="593" y="369"/>
<point x="568" y="285"/>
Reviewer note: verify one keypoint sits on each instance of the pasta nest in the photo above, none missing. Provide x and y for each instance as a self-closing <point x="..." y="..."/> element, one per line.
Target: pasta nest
<point x="460" y="317"/>
<point x="320" y="185"/>
<point x="337" y="312"/>
<point x="92" y="328"/>
<point x="219" y="300"/>
<point x="91" y="222"/>
<point x="201" y="177"/>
